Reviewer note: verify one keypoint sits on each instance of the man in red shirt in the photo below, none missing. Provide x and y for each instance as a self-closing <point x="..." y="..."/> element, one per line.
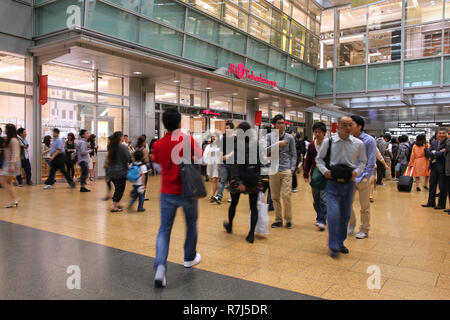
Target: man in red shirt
<point x="167" y="152"/>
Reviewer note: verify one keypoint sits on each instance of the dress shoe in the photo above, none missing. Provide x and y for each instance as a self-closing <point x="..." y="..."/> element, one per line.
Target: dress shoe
<point x="439" y="208"/>
<point x="427" y="206"/>
<point x="343" y="250"/>
<point x="334" y="253"/>
<point x="448" y="210"/>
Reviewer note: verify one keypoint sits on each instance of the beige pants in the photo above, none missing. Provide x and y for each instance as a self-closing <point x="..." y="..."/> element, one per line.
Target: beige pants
<point x="281" y="182"/>
<point x="363" y="188"/>
<point x="388" y="171"/>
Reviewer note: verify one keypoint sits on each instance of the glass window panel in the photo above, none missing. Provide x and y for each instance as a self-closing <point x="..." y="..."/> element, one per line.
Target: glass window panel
<point x="12" y="87"/>
<point x="307" y="88"/>
<point x="280" y="22"/>
<point x="422" y="73"/>
<point x="327" y="23"/>
<point x="351" y="49"/>
<point x="112" y="21"/>
<point x="53" y="17"/>
<point x="258" y="51"/>
<point x="71" y="95"/>
<point x="276" y="39"/>
<point x="239" y="106"/>
<point x="277" y="76"/>
<point x="12" y="67"/>
<point x="160" y="38"/>
<point x="447" y="9"/>
<point x="352" y="21"/>
<point x="202" y="26"/>
<point x="69" y="77"/>
<point x="298" y="33"/>
<point x="287" y="7"/>
<point x="241" y="3"/>
<point x="262" y="9"/>
<point x="421" y="11"/>
<point x="12" y="110"/>
<point x="351" y="79"/>
<point x="260" y="30"/>
<point x="384" y="45"/>
<point x="211" y="7"/>
<point x="200" y="51"/>
<point x="299" y="16"/>
<point x="235" y="17"/>
<point x="226" y="57"/>
<point x="190" y="97"/>
<point x="109" y="120"/>
<point x="295" y="67"/>
<point x="115" y="101"/>
<point x="314" y="10"/>
<point x="387" y="14"/>
<point x="165" y="11"/>
<point x="423" y="41"/>
<point x="301" y="3"/>
<point x="324" y="81"/>
<point x="309" y="73"/>
<point x="165" y="93"/>
<point x="264" y="108"/>
<point x="220" y="103"/>
<point x="277" y="59"/>
<point x="297" y="50"/>
<point x="256" y="67"/>
<point x="132" y="5"/>
<point x="229" y="38"/>
<point x="384" y="76"/>
<point x="447" y="70"/>
<point x="292" y="83"/>
<point x="109" y="84"/>
<point x="326" y="49"/>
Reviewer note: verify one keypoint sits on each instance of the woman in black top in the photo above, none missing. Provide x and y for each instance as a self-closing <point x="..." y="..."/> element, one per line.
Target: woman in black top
<point x="245" y="178"/>
<point x="70" y="148"/>
<point x="92" y="155"/>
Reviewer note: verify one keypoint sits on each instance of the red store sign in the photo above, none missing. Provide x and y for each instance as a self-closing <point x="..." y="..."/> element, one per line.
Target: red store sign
<point x="242" y="72"/>
<point x="212" y="113"/>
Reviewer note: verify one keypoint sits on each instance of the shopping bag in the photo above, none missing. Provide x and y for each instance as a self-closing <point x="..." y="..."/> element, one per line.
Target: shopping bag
<point x="262" y="226"/>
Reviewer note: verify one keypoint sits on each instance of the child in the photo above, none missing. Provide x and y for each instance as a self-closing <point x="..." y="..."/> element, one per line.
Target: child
<point x="138" y="187"/>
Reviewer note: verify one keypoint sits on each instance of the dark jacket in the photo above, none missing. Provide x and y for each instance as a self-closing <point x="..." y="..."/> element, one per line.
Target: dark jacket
<point x="247" y="173"/>
<point x="447" y="160"/>
<point x="119" y="169"/>
<point x="437" y="158"/>
<point x="310" y="161"/>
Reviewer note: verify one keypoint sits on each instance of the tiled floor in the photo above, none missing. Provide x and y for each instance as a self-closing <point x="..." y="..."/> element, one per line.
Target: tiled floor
<point x="410" y="244"/>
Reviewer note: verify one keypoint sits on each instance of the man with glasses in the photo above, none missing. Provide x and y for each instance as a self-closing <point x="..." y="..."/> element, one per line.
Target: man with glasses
<point x="283" y="155"/>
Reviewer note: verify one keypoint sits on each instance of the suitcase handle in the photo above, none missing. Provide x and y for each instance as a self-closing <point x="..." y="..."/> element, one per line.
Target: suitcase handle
<point x="411" y="172"/>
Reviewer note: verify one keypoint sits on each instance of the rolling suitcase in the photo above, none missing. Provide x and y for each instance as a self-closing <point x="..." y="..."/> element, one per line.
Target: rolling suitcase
<point x="405" y="182"/>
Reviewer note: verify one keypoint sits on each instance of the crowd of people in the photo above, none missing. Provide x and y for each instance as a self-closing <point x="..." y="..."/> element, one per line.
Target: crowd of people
<point x="245" y="161"/>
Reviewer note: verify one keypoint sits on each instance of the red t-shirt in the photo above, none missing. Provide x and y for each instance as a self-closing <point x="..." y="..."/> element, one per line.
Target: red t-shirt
<point x="162" y="154"/>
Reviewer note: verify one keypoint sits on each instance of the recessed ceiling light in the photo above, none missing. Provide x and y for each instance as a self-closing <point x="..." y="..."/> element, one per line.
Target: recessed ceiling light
<point x="208" y="88"/>
<point x="176" y="81"/>
<point x="137" y="72"/>
<point x="85" y="61"/>
<point x="255" y="98"/>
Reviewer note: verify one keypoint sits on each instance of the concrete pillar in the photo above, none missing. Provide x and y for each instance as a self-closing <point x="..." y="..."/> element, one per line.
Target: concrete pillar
<point x="252" y="107"/>
<point x="136" y="113"/>
<point x="33" y="118"/>
<point x="308" y="124"/>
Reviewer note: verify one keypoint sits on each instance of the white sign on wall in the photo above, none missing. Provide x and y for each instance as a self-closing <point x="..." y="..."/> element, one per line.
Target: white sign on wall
<point x="74" y="18"/>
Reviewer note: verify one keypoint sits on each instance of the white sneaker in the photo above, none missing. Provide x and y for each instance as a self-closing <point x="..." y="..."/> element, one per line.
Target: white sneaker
<point x="47" y="186"/>
<point x="160" y="277"/>
<point x="361" y="235"/>
<point x="294" y="190"/>
<point x="190" y="264"/>
<point x="351" y="231"/>
<point x="321" y="226"/>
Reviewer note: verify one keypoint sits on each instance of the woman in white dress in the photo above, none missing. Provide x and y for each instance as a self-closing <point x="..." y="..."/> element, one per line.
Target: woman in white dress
<point x="211" y="157"/>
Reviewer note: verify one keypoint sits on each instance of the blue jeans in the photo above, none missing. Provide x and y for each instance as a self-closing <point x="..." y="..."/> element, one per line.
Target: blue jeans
<point x="169" y="204"/>
<point x="320" y="204"/>
<point x="136" y="195"/>
<point x="340" y="198"/>
<point x="223" y="180"/>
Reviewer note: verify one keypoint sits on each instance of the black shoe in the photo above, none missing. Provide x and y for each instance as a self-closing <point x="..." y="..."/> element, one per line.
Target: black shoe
<point x="448" y="210"/>
<point x="427" y="206"/>
<point x="426" y="188"/>
<point x="418" y="189"/>
<point x="146" y="199"/>
<point x="439" y="208"/>
<point x="334" y="254"/>
<point x="228" y="227"/>
<point x="343" y="250"/>
<point x="72" y="185"/>
<point x="289" y="225"/>
<point x="277" y="224"/>
<point x="438" y="195"/>
<point x="251" y="237"/>
<point x="271" y="209"/>
<point x="83" y="189"/>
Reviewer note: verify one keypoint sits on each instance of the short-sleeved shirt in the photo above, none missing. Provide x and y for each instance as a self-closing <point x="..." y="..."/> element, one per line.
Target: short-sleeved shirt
<point x="142" y="170"/>
<point x="57" y="144"/>
<point x="162" y="154"/>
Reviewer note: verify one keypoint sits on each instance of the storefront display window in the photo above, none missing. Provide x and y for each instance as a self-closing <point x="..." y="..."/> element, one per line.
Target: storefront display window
<point x="166" y="93"/>
<point x="351" y="49"/>
<point x="423" y="41"/>
<point x="384" y="45"/>
<point x="421" y="11"/>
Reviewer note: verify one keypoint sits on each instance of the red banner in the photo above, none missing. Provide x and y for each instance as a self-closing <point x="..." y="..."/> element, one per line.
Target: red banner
<point x="258" y="116"/>
<point x="334" y="127"/>
<point x="43" y="89"/>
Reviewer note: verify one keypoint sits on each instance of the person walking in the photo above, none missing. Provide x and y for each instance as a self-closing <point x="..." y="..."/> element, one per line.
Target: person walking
<point x="107" y="178"/>
<point x="404" y="155"/>
<point x="46" y="145"/>
<point x="319" y="195"/>
<point x="57" y="162"/>
<point x="141" y="145"/>
<point x="245" y="178"/>
<point x="347" y="161"/>
<point x="294" y="174"/>
<point x="226" y="155"/>
<point x="211" y="157"/>
<point x="22" y="136"/>
<point x="138" y="185"/>
<point x="171" y="197"/>
<point x="82" y="154"/>
<point x="362" y="182"/>
<point x="281" y="148"/>
<point x="418" y="162"/>
<point x="70" y="148"/>
<point x="92" y="156"/>
<point x="265" y="165"/>
<point x="395" y="150"/>
<point x="437" y="166"/>
<point x="11" y="164"/>
<point x="118" y="161"/>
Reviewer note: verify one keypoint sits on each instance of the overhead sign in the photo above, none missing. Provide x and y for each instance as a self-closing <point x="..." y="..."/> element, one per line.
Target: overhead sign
<point x="258" y="118"/>
<point x="242" y="72"/>
<point x="423" y="124"/>
<point x="43" y="89"/>
<point x="210" y="113"/>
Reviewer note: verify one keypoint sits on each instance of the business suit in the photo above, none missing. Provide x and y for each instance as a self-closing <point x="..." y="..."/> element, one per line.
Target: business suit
<point x="437" y="165"/>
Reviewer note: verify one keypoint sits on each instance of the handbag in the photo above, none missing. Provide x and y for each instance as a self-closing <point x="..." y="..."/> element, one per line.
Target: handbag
<point x="318" y="180"/>
<point x="262" y="225"/>
<point x="191" y="181"/>
<point x="341" y="173"/>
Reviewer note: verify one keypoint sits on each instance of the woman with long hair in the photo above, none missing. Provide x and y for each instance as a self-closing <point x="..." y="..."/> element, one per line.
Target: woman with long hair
<point x="141" y="145"/>
<point x="245" y="178"/>
<point x="118" y="161"/>
<point x="46" y="145"/>
<point x="11" y="164"/>
<point x="70" y="148"/>
<point x="92" y="156"/>
<point x="211" y="156"/>
<point x="419" y="163"/>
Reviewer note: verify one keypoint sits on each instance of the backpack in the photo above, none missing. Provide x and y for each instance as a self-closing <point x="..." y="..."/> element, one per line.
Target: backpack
<point x="382" y="147"/>
<point x="133" y="173"/>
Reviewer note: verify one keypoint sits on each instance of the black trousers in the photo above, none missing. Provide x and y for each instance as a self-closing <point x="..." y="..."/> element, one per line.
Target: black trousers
<point x="381" y="172"/>
<point x="393" y="164"/>
<point x="58" y="164"/>
<point x="27" y="168"/>
<point x="266" y="186"/>
<point x="70" y="168"/>
<point x="448" y="188"/>
<point x="253" y="199"/>
<point x="119" y="188"/>
<point x="294" y="180"/>
<point x="435" y="179"/>
<point x="84" y="172"/>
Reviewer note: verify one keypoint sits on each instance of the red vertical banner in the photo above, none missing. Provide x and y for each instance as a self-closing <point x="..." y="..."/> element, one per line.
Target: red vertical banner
<point x="43" y="89"/>
<point x="334" y="127"/>
<point x="258" y="116"/>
